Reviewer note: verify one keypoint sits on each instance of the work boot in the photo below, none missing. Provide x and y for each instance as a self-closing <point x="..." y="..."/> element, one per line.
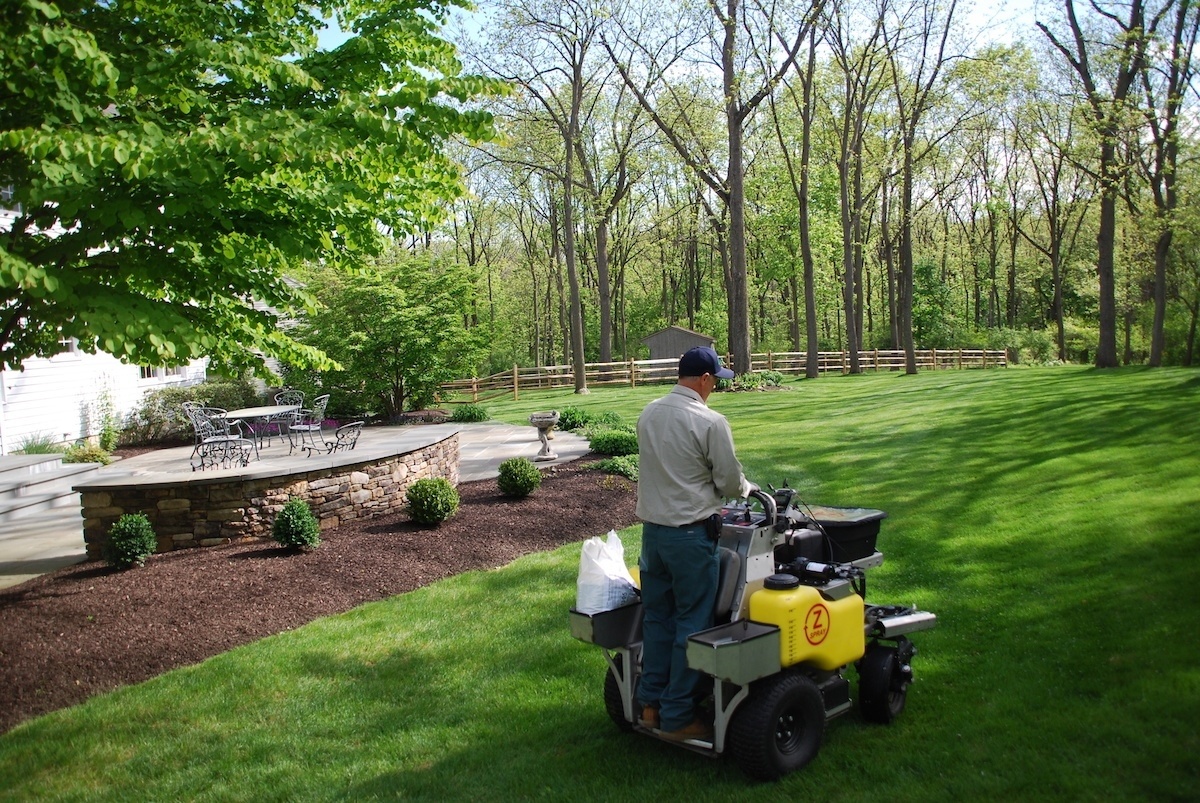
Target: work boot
<point x="649" y="718"/>
<point x="697" y="730"/>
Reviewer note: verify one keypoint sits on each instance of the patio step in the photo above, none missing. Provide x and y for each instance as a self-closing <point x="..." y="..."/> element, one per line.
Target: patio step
<point x="14" y="466"/>
<point x="36" y="488"/>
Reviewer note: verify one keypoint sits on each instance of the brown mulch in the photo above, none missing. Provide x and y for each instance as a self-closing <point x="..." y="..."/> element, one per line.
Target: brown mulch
<point x="88" y="629"/>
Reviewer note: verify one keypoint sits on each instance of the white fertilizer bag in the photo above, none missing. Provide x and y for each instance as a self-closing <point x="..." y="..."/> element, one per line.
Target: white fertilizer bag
<point x="604" y="580"/>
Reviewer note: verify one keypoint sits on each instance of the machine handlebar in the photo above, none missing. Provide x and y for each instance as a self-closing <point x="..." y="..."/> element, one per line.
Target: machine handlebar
<point x="768" y="505"/>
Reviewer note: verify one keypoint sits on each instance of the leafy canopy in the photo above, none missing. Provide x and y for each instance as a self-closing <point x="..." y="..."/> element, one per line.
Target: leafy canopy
<point x="171" y="158"/>
<point x="397" y="330"/>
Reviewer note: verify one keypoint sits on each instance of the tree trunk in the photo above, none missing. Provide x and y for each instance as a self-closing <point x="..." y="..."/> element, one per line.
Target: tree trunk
<point x="577" y="355"/>
<point x="603" y="281"/>
<point x="1106" y="349"/>
<point x="904" y="275"/>
<point x="738" y="289"/>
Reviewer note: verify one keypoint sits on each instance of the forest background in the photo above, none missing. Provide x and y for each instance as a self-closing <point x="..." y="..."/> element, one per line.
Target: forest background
<point x="550" y="181"/>
<point x="912" y="175"/>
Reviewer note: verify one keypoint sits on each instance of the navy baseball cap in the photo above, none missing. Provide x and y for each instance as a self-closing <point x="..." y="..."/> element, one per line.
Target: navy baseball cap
<point x="703" y="360"/>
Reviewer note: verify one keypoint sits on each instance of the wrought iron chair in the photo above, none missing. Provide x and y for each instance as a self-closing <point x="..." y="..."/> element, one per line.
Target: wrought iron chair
<point x="276" y="424"/>
<point x="217" y="445"/>
<point x="308" y="425"/>
<point x="345" y="438"/>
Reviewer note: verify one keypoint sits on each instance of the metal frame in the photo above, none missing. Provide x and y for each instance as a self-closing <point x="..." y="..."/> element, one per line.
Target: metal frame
<point x="345" y="438"/>
<point x="309" y="422"/>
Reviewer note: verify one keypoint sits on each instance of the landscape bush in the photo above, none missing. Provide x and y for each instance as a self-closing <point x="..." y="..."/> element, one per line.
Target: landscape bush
<point x="130" y="541"/>
<point x="160" y="415"/>
<point x="626" y="466"/>
<point x="87" y="453"/>
<point x="432" y="500"/>
<point x="615" y="442"/>
<point x="519" y="477"/>
<point x="469" y="414"/>
<point x="296" y="526"/>
<point x="572" y="418"/>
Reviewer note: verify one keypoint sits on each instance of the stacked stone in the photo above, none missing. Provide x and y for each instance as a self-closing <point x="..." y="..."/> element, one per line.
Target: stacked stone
<point x="211" y="511"/>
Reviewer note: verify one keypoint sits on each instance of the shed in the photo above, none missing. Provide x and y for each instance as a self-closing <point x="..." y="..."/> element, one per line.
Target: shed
<point x="672" y="342"/>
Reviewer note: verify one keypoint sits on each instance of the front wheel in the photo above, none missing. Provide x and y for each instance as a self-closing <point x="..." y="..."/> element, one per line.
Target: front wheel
<point x="882" y="684"/>
<point x="778" y="729"/>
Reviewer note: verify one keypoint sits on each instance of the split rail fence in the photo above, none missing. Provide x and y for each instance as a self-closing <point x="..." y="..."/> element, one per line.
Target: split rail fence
<point x="632" y="373"/>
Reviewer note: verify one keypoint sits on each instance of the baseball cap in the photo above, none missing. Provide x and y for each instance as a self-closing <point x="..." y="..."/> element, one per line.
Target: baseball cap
<point x="703" y="360"/>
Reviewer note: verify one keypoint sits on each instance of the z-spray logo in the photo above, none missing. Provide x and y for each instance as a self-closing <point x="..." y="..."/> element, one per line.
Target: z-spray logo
<point x="816" y="624"/>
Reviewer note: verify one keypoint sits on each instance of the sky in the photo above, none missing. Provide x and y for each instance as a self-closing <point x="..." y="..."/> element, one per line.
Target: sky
<point x="1002" y="20"/>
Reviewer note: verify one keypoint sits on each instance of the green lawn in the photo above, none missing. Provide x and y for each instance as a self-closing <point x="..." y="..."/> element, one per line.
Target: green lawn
<point x="1048" y="516"/>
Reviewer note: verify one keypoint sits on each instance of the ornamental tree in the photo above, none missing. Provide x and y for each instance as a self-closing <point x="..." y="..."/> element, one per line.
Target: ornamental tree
<point x="397" y="331"/>
<point x="170" y="159"/>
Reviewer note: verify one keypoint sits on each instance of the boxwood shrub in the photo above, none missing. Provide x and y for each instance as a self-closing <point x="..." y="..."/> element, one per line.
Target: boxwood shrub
<point x="130" y="541"/>
<point x="614" y="442"/>
<point x="296" y="526"/>
<point x="519" y="477"/>
<point x="432" y="500"/>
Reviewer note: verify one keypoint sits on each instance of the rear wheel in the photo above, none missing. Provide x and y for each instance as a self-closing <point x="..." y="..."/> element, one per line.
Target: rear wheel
<point x="613" y="703"/>
<point x="882" y="684"/>
<point x="778" y="729"/>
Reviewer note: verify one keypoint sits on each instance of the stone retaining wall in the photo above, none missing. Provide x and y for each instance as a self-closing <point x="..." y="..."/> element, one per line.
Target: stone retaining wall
<point x="211" y="511"/>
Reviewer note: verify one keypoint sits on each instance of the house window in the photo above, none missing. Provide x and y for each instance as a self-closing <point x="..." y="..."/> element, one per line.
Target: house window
<point x="6" y="198"/>
<point x="159" y="372"/>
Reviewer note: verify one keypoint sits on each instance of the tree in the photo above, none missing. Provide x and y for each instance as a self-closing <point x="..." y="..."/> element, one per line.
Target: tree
<point x="1107" y="65"/>
<point x="918" y="45"/>
<point x="861" y="67"/>
<point x="547" y="44"/>
<point x="800" y="180"/>
<point x="397" y="330"/>
<point x="741" y="41"/>
<point x="1165" y="85"/>
<point x="171" y="160"/>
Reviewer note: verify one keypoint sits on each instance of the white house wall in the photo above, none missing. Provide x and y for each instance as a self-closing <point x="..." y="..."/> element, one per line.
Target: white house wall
<point x="63" y="397"/>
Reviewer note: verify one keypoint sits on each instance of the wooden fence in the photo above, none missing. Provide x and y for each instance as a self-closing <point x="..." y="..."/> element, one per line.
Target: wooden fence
<point x="643" y="372"/>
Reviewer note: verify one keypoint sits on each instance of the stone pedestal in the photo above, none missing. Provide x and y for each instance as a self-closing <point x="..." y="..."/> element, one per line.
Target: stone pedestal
<point x="545" y="426"/>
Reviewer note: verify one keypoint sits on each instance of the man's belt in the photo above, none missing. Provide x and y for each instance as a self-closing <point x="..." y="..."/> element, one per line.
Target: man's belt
<point x="711" y="524"/>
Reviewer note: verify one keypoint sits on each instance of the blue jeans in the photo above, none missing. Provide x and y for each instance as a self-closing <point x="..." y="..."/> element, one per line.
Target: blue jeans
<point x="679" y="586"/>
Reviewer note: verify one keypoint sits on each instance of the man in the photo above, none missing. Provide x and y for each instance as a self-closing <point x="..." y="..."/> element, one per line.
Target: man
<point x="687" y="466"/>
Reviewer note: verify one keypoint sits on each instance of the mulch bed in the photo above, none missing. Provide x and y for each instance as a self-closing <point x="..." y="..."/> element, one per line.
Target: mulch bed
<point x="88" y="629"/>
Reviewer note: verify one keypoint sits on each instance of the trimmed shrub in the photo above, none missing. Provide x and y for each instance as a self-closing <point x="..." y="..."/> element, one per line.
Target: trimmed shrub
<point x="296" y="526"/>
<point x="130" y="541"/>
<point x="570" y="418"/>
<point x="469" y="414"/>
<point x="87" y="453"/>
<point x="626" y="466"/>
<point x="519" y="477"/>
<point x="432" y="500"/>
<point x="615" y="442"/>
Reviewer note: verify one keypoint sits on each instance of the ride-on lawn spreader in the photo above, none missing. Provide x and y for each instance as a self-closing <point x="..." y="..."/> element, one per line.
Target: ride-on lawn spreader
<point x="791" y="617"/>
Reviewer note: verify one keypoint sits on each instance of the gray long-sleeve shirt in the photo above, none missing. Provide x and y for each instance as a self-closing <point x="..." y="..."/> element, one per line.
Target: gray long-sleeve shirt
<point x="686" y="461"/>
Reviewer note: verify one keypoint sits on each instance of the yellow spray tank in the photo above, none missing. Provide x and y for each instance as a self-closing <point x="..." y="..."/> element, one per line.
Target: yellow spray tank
<point x="819" y="625"/>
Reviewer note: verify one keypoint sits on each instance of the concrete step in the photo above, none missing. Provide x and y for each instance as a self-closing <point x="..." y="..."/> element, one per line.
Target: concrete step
<point x="15" y="466"/>
<point x="43" y="491"/>
<point x="59" y="479"/>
